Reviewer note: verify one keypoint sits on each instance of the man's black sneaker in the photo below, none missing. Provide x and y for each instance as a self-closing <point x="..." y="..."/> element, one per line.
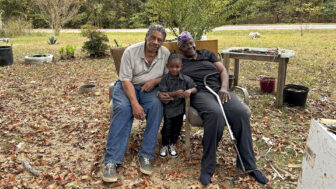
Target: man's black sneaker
<point x="110" y="173"/>
<point x="145" y="165"/>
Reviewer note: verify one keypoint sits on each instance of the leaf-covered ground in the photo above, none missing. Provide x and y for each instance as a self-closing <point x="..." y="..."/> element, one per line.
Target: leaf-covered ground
<point x="61" y="133"/>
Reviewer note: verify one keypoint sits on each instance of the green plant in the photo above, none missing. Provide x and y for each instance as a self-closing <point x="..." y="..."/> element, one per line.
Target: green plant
<point x="96" y="45"/>
<point x="61" y="51"/>
<point x="52" y="40"/>
<point x="14" y="27"/>
<point x="195" y="16"/>
<point x="68" y="52"/>
<point x="305" y="11"/>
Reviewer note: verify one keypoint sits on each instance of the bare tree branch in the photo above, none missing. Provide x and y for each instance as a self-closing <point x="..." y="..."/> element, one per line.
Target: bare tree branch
<point x="58" y="12"/>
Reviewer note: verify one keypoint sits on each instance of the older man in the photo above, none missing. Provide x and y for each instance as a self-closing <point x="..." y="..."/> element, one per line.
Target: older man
<point x="135" y="96"/>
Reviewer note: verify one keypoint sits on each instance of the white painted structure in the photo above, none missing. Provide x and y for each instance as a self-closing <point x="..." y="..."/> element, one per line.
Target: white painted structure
<point x="319" y="162"/>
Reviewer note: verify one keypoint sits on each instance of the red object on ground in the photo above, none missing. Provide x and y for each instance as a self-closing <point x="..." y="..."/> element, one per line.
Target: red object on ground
<point x="267" y="84"/>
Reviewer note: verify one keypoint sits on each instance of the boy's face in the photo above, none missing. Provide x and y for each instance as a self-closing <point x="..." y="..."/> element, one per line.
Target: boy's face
<point x="174" y="66"/>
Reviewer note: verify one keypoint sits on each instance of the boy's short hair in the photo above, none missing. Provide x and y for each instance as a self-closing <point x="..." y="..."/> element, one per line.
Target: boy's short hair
<point x="174" y="55"/>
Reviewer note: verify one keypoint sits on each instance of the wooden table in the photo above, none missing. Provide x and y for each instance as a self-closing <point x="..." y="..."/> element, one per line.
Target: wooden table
<point x="249" y="53"/>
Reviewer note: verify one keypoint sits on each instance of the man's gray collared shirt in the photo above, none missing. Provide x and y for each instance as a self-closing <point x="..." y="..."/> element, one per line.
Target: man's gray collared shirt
<point x="135" y="68"/>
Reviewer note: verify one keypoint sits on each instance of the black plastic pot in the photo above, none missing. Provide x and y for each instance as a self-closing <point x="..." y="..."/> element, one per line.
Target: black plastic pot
<point x="295" y="95"/>
<point x="6" y="55"/>
<point x="231" y="79"/>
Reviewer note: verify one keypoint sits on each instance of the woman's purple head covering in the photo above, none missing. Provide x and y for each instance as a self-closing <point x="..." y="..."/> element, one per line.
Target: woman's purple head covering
<point x="183" y="37"/>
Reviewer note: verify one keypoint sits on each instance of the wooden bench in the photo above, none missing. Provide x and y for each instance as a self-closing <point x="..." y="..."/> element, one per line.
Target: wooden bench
<point x="192" y="117"/>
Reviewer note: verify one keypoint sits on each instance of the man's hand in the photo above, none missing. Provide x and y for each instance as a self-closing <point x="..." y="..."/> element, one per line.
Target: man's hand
<point x="164" y="97"/>
<point x="138" y="112"/>
<point x="179" y="93"/>
<point x="149" y="86"/>
<point x="224" y="95"/>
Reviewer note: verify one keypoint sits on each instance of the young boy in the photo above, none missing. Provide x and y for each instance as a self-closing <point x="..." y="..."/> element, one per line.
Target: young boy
<point x="178" y="87"/>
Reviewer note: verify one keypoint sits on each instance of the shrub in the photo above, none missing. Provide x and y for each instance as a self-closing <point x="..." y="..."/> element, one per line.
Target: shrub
<point x="61" y="51"/>
<point x="15" y="26"/>
<point x="95" y="46"/>
<point x="69" y="52"/>
<point x="52" y="40"/>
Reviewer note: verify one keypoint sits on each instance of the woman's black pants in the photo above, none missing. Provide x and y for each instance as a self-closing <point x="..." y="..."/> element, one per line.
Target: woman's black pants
<point x="213" y="122"/>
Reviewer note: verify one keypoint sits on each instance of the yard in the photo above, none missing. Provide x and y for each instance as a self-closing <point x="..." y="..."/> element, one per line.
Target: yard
<point x="62" y="133"/>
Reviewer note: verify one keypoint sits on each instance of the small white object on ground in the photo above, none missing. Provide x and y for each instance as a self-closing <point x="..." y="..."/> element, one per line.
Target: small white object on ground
<point x="39" y="59"/>
<point x="267" y="140"/>
<point x="30" y="169"/>
<point x="254" y="35"/>
<point x="20" y="145"/>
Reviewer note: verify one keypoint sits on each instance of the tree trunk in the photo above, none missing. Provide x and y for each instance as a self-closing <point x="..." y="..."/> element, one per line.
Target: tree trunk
<point x="56" y="26"/>
<point x="57" y="31"/>
<point x="0" y="22"/>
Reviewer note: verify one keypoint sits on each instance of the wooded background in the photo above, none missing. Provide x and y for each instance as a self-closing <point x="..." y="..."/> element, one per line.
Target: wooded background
<point x="139" y="13"/>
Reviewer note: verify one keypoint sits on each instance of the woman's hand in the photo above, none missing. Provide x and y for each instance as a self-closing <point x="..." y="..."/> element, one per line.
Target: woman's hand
<point x="224" y="95"/>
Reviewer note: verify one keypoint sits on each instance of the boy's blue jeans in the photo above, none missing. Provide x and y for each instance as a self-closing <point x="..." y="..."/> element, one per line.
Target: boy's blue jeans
<point x="122" y="119"/>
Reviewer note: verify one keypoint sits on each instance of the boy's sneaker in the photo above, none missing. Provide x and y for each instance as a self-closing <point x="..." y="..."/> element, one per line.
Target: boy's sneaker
<point x="172" y="150"/>
<point x="145" y="165"/>
<point x="163" y="151"/>
<point x="110" y="173"/>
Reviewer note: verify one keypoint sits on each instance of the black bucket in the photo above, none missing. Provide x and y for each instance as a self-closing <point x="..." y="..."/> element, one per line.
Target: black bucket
<point x="231" y="79"/>
<point x="6" y="55"/>
<point x="295" y="95"/>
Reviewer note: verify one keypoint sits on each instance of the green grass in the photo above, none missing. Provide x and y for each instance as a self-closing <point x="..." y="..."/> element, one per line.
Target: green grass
<point x="34" y="97"/>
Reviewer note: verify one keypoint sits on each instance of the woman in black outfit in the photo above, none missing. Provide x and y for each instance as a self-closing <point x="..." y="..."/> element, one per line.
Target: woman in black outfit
<point x="197" y="64"/>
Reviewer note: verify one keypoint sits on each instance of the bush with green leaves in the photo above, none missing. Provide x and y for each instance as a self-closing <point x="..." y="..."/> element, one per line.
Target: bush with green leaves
<point x="15" y="27"/>
<point x="195" y="16"/>
<point x="52" y="40"/>
<point x="96" y="45"/>
<point x="68" y="52"/>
